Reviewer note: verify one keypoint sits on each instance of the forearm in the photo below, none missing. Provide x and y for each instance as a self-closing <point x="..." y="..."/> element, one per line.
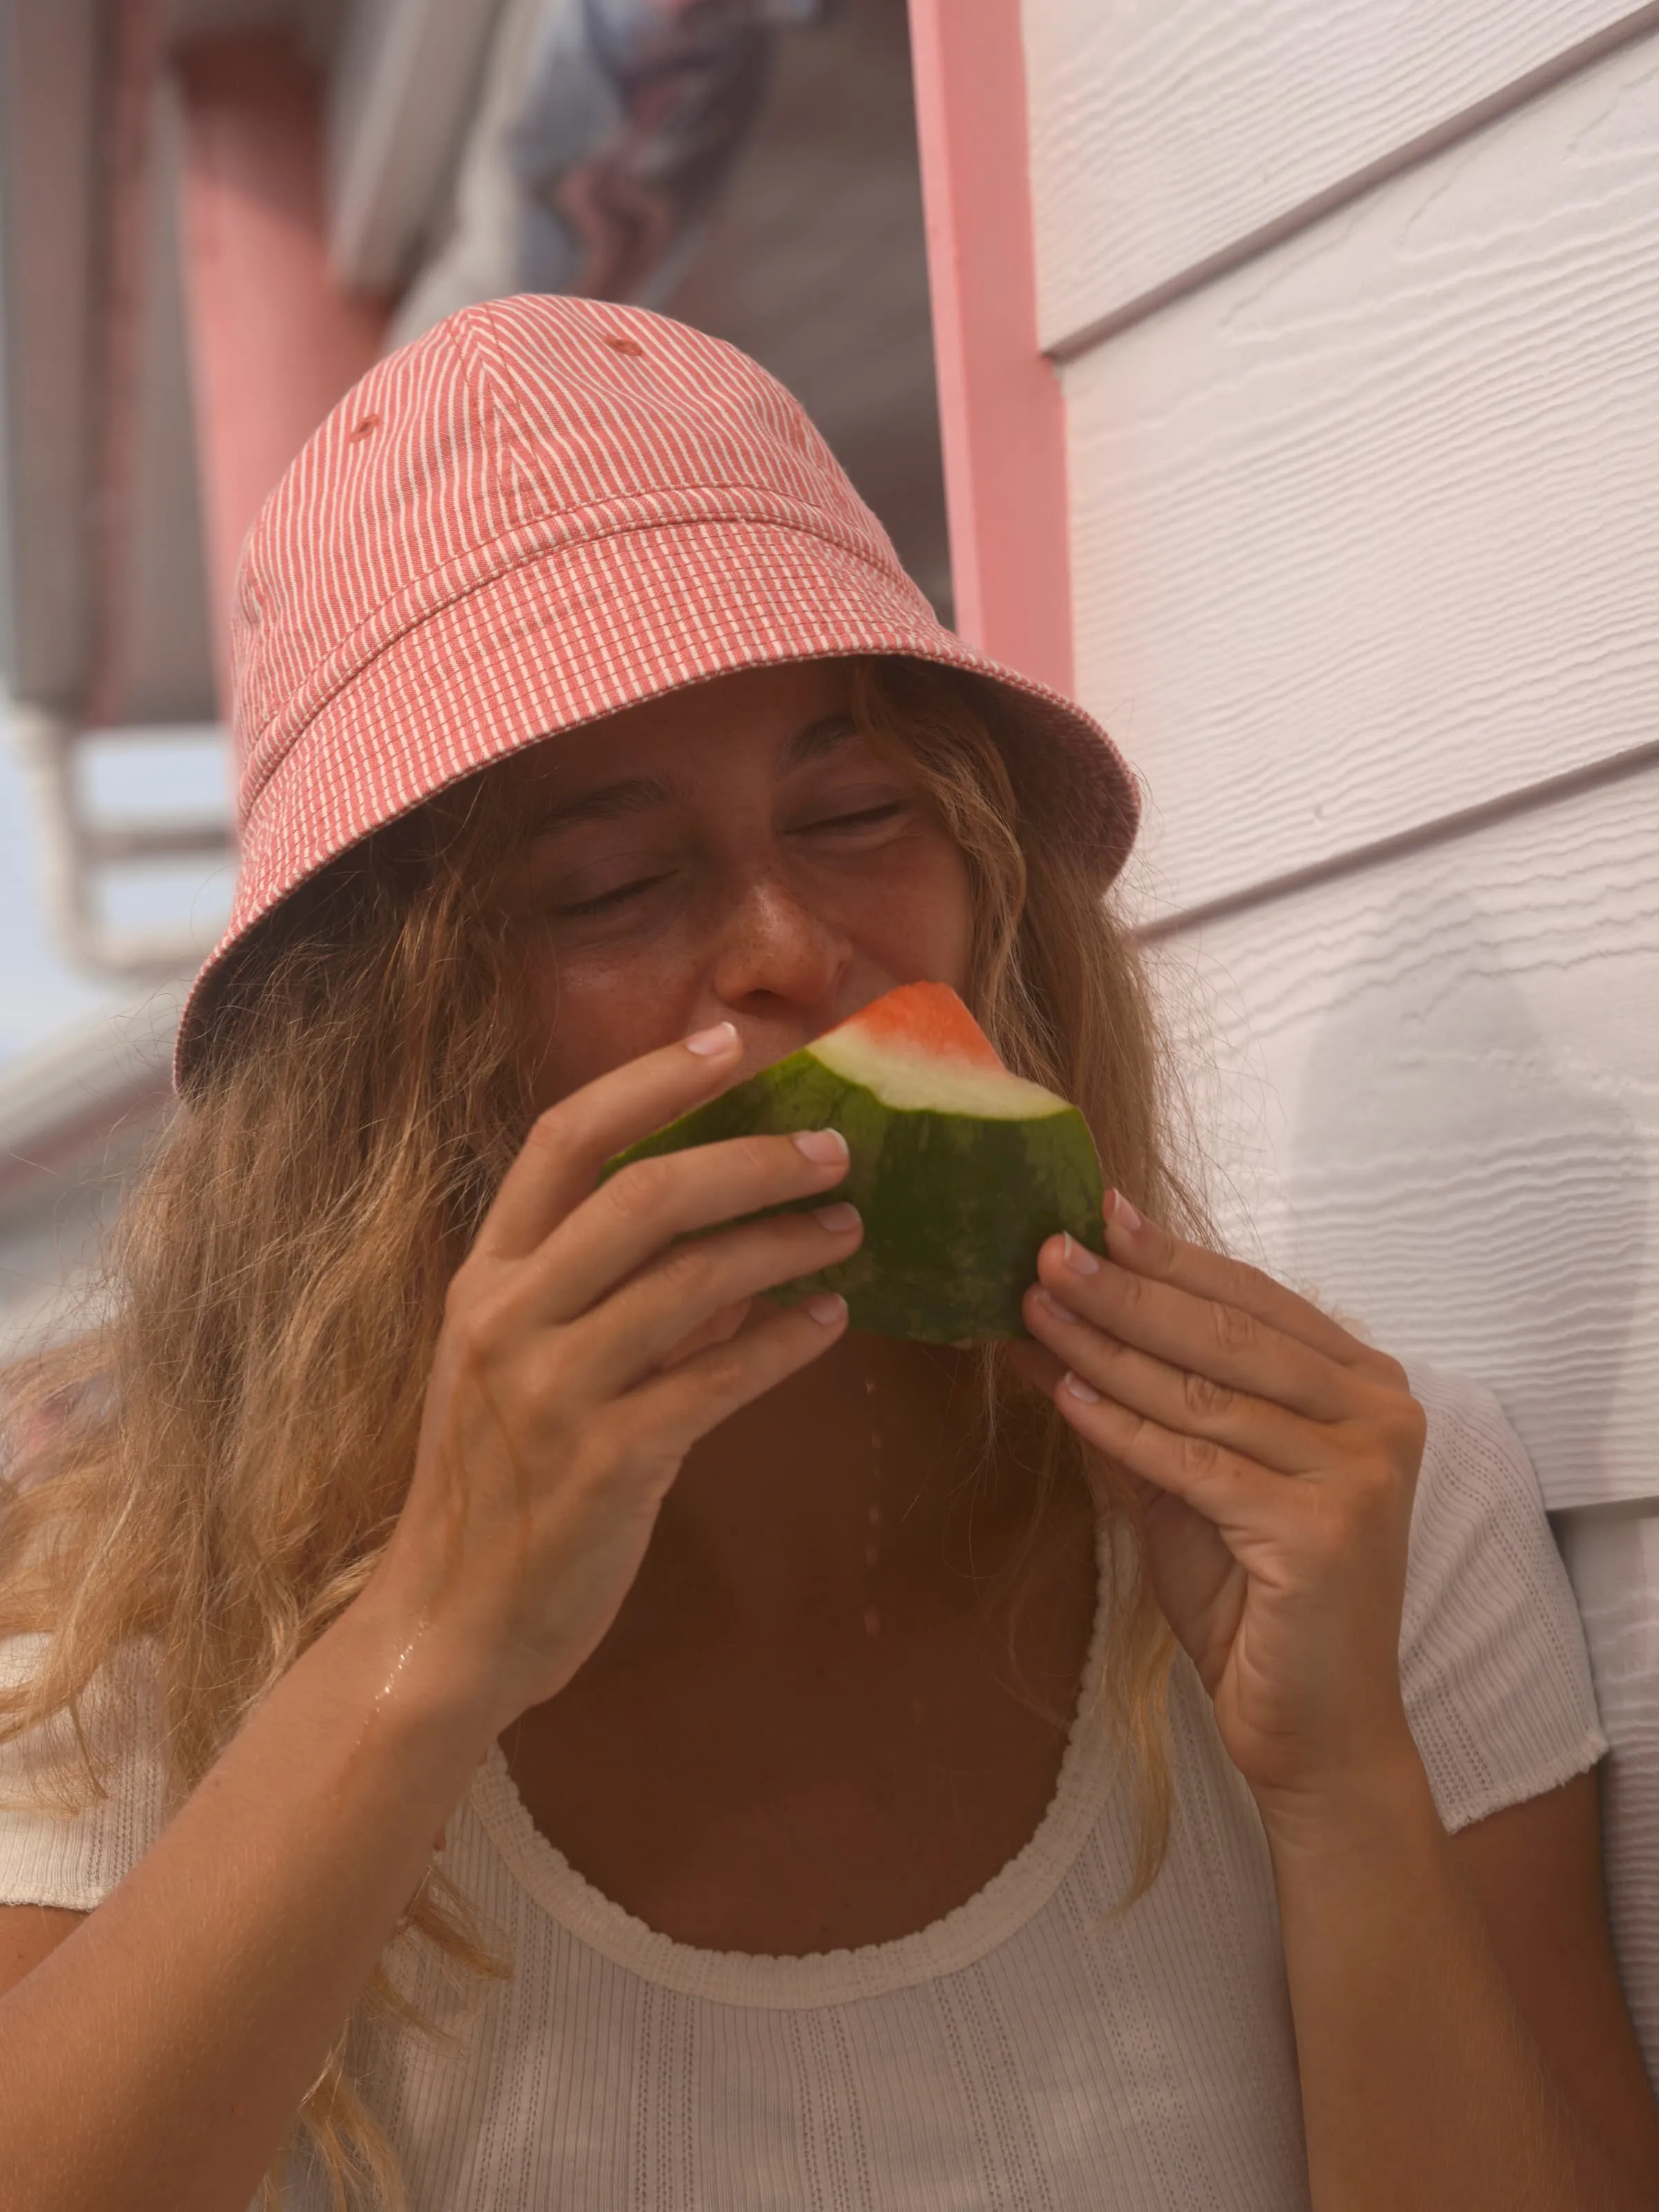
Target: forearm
<point x="1421" y="2084"/>
<point x="155" y="2060"/>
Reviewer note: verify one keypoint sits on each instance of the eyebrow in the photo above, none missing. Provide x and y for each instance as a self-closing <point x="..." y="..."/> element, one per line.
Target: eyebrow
<point x="639" y="795"/>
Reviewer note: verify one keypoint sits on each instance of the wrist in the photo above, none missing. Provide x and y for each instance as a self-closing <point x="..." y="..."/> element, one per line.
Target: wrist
<point x="1381" y="1801"/>
<point x="425" y="1682"/>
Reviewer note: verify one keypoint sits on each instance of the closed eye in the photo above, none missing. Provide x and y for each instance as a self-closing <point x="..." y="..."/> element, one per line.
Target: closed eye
<point x="866" y="818"/>
<point x="607" y="899"/>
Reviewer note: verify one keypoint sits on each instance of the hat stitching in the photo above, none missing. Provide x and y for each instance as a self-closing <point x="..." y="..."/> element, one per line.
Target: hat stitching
<point x="897" y="588"/>
<point x="918" y="647"/>
<point x="327" y="692"/>
<point x="495" y="402"/>
<point x="481" y="342"/>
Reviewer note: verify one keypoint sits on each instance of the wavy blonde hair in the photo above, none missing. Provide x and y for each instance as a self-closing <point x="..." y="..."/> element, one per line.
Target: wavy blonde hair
<point x="215" y="1466"/>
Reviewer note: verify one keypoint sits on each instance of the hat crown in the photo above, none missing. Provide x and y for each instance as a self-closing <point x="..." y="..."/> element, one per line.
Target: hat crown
<point x="506" y="430"/>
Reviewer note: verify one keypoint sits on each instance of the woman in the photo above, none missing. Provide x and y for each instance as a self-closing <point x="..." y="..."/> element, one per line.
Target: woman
<point x="578" y="1732"/>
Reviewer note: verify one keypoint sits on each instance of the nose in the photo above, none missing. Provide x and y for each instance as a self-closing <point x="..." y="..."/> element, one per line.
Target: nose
<point x="774" y="952"/>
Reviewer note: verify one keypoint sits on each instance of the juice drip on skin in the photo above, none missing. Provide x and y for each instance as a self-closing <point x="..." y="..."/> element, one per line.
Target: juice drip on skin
<point x="872" y="1537"/>
<point x="372" y="1719"/>
<point x="382" y="1696"/>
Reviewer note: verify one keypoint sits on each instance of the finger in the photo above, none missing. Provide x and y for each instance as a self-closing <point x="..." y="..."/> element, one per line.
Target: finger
<point x="1241" y="1498"/>
<point x="1151" y="1251"/>
<point x="570" y="1142"/>
<point x="1039" y="1366"/>
<point x="1180" y="1399"/>
<point x="619" y="1342"/>
<point x="1189" y="1328"/>
<point x="633" y="1217"/>
<point x="720" y="1328"/>
<point x="673" y="1411"/>
<point x="1109" y="1482"/>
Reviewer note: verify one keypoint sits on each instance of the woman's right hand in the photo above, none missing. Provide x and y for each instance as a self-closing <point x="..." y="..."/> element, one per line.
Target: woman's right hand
<point x="584" y="1352"/>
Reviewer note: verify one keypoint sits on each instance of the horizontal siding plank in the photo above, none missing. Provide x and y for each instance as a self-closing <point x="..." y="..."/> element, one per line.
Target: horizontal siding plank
<point x="1161" y="136"/>
<point x="1431" y="1094"/>
<point x="1365" y="533"/>
<point x="1613" y="1561"/>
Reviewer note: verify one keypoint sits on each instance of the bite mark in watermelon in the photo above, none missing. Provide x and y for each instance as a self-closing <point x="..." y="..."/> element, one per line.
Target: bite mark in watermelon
<point x="960" y="1168"/>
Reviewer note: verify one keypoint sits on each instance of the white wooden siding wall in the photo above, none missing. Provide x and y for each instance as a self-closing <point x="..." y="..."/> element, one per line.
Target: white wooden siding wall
<point x="1356" y="308"/>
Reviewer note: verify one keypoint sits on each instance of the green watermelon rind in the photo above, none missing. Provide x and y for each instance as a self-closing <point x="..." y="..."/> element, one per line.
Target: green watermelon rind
<point x="955" y="1207"/>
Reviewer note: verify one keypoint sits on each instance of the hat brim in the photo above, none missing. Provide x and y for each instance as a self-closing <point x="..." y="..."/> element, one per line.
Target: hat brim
<point x="552" y="646"/>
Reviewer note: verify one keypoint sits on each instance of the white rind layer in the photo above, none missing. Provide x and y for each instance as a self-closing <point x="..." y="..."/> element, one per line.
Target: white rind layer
<point x="910" y="1082"/>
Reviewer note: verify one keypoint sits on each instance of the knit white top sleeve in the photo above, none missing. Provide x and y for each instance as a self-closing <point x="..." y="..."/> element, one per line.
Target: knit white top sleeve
<point x="47" y="1858"/>
<point x="1035" y="2048"/>
<point x="1493" y="1661"/>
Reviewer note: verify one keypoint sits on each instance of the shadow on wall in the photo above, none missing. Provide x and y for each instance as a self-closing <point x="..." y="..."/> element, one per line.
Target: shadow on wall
<point x="1479" y="1201"/>
<point x="1473" y="1198"/>
<point x="1612" y="1556"/>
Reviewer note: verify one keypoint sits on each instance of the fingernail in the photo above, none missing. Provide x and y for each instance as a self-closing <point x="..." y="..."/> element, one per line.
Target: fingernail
<point x="706" y="1043"/>
<point x="1077" y="1257"/>
<point x="1119" y="1210"/>
<point x="826" y="1307"/>
<point x="837" y="1218"/>
<point x="1060" y="1312"/>
<point x="1079" y="1388"/>
<point x="823" y="1146"/>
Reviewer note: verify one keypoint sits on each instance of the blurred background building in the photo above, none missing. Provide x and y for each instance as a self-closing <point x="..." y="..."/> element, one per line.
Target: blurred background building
<point x="214" y="215"/>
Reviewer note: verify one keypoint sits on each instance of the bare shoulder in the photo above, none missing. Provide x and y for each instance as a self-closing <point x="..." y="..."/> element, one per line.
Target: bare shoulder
<point x="28" y="1934"/>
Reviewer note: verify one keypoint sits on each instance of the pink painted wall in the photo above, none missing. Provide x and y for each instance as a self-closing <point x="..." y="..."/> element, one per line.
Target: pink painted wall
<point x="999" y="400"/>
<point x="274" y="341"/>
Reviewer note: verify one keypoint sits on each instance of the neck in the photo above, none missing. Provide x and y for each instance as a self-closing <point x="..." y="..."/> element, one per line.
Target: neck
<point x="854" y="1489"/>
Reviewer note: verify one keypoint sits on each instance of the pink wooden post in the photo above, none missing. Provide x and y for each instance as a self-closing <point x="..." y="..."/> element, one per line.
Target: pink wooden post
<point x="999" y="402"/>
<point x="274" y="341"/>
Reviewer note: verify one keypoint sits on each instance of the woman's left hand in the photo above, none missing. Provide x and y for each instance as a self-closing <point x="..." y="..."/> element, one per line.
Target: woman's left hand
<point x="1278" y="1457"/>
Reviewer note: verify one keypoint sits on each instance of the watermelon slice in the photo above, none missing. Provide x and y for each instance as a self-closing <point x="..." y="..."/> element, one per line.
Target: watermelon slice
<point x="959" y="1169"/>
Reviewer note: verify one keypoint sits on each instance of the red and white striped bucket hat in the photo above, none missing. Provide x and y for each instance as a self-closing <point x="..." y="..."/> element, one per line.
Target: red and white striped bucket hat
<point x="542" y="511"/>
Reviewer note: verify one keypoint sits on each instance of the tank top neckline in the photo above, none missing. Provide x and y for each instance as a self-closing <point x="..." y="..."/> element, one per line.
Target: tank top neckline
<point x="994" y="1913"/>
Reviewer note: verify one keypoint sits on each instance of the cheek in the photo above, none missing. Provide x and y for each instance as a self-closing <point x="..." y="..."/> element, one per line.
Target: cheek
<point x="922" y="923"/>
<point x="590" y="1011"/>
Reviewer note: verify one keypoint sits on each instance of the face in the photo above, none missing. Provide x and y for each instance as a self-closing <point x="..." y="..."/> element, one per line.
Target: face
<point x="735" y="852"/>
